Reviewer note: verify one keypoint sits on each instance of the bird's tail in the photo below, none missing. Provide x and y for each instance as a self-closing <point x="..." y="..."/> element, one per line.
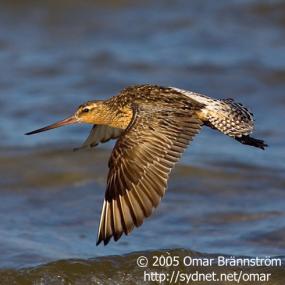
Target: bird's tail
<point x="226" y="116"/>
<point x="232" y="119"/>
<point x="229" y="117"/>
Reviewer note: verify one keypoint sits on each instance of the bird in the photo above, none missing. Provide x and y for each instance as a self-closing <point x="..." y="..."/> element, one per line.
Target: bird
<point x="153" y="126"/>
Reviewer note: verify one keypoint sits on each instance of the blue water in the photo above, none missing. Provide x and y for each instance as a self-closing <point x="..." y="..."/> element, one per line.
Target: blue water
<point x="224" y="197"/>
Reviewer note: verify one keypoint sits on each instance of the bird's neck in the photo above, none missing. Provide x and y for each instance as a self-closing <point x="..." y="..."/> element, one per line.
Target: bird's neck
<point x="121" y="117"/>
<point x="113" y="116"/>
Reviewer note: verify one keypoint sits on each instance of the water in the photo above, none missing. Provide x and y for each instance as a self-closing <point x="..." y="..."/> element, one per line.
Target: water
<point x="223" y="197"/>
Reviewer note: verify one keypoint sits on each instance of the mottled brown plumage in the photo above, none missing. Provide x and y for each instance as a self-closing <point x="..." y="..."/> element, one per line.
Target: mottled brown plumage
<point x="140" y="165"/>
<point x="154" y="125"/>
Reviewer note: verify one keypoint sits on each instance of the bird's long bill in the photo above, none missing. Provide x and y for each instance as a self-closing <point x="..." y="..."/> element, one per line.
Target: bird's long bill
<point x="65" y="122"/>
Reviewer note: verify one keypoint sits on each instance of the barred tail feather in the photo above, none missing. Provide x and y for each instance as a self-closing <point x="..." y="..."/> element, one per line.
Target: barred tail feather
<point x="229" y="117"/>
<point x="225" y="115"/>
<point x="232" y="119"/>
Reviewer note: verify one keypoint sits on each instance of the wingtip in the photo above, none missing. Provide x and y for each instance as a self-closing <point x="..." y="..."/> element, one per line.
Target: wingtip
<point x="105" y="241"/>
<point x="99" y="239"/>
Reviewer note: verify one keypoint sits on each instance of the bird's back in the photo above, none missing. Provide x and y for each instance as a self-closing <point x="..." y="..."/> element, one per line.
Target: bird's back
<point x="225" y="115"/>
<point x="166" y="97"/>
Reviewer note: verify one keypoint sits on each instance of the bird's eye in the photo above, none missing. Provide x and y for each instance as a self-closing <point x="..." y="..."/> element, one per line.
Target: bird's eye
<point x="85" y="110"/>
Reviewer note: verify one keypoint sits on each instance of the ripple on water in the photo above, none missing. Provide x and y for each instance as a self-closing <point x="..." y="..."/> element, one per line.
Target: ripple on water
<point x="124" y="270"/>
<point x="231" y="198"/>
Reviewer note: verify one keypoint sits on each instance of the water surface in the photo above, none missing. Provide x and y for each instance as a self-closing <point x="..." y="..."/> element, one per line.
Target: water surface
<point x="223" y="198"/>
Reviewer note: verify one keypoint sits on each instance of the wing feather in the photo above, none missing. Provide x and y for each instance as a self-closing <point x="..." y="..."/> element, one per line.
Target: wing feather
<point x="100" y="134"/>
<point x="140" y="164"/>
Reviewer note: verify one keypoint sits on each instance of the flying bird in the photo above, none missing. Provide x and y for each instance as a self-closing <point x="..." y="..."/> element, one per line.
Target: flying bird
<point x="153" y="126"/>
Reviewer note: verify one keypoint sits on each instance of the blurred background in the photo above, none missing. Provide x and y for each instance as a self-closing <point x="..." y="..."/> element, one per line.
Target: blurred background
<point x="223" y="197"/>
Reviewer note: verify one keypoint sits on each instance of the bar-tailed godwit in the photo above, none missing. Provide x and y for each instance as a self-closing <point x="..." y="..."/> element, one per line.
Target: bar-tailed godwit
<point x="153" y="125"/>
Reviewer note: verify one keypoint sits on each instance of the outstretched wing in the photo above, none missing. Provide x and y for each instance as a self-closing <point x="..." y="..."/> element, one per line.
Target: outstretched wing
<point x="100" y="134"/>
<point x="139" y="167"/>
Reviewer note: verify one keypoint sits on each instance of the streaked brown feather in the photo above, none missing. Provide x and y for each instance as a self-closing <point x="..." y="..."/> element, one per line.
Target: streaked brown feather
<point x="140" y="165"/>
<point x="154" y="125"/>
<point x="100" y="134"/>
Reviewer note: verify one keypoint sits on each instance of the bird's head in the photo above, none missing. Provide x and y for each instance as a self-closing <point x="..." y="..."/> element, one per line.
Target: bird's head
<point x="88" y="112"/>
<point x="92" y="112"/>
